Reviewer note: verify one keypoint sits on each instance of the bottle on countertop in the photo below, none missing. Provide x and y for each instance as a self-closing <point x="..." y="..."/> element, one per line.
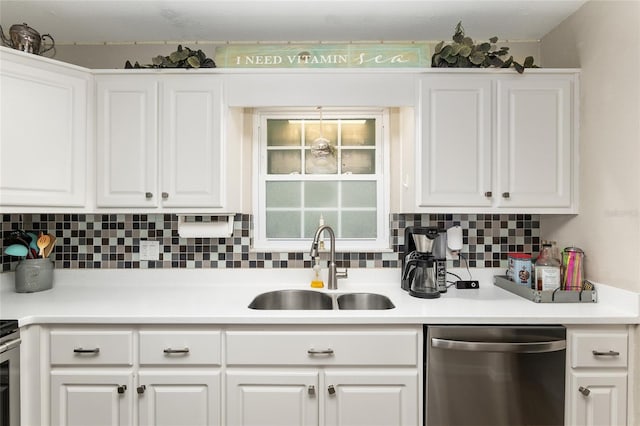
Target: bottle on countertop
<point x="316" y="281"/>
<point x="547" y="269"/>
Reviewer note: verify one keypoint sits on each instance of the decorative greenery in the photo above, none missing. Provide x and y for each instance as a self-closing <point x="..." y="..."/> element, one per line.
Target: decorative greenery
<point x="463" y="53"/>
<point x="181" y="58"/>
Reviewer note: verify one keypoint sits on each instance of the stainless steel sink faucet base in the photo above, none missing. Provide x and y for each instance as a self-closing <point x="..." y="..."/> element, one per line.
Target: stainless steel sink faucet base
<point x="334" y="274"/>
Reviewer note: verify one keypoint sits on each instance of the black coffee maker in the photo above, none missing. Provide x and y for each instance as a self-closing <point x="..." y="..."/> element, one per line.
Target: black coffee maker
<point x="424" y="262"/>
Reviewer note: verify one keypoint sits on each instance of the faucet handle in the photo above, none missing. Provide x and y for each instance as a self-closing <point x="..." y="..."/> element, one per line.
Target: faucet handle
<point x="342" y="274"/>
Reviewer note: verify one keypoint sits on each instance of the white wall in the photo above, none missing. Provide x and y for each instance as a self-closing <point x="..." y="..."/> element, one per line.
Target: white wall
<point x="608" y="226"/>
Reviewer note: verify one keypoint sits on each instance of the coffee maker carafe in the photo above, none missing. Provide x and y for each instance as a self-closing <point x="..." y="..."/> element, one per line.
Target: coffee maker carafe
<point x="420" y="277"/>
<point x="424" y="261"/>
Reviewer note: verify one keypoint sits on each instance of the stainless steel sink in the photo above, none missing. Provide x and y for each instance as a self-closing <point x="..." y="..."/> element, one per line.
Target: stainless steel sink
<point x="292" y="299"/>
<point x="315" y="300"/>
<point x="364" y="301"/>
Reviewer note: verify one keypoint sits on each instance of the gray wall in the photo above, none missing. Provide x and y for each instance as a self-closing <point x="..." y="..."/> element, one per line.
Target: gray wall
<point x="608" y="226"/>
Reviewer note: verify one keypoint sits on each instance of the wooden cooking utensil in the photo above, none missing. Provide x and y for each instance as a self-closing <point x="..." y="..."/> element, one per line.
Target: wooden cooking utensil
<point x="43" y="241"/>
<point x="49" y="248"/>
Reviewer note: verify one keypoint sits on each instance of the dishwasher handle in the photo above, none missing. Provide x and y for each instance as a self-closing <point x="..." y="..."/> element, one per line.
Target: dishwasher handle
<point x="508" y="347"/>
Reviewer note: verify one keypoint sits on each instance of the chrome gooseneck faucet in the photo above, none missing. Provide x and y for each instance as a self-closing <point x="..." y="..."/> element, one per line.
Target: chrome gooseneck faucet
<point x="334" y="274"/>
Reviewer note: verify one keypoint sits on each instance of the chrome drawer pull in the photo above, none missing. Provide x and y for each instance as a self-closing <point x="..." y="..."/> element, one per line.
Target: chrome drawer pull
<point x="312" y="390"/>
<point x="122" y="388"/>
<point x="608" y="353"/>
<point x="86" y="351"/>
<point x="320" y="352"/>
<point x="584" y="391"/>
<point x="170" y="351"/>
<point x="140" y="389"/>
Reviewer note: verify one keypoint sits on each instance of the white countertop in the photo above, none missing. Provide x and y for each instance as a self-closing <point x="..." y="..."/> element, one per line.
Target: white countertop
<point x="219" y="296"/>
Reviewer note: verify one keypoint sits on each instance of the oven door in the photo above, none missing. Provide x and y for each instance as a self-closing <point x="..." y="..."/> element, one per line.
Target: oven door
<point x="10" y="383"/>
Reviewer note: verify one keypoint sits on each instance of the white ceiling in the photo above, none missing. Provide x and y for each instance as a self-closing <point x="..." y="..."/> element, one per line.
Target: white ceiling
<point x="99" y="21"/>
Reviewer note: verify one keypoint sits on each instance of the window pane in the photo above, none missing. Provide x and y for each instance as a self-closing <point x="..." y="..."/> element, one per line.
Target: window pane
<point x="359" y="194"/>
<point x="283" y="194"/>
<point x="321" y="194"/>
<point x="312" y="131"/>
<point x="283" y="133"/>
<point x="359" y="161"/>
<point x="283" y="162"/>
<point x="312" y="221"/>
<point x="283" y="224"/>
<point x="356" y="134"/>
<point x="359" y="224"/>
<point x="320" y="164"/>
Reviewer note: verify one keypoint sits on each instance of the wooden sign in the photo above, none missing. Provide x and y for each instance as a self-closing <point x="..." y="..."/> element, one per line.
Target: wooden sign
<point x="409" y="55"/>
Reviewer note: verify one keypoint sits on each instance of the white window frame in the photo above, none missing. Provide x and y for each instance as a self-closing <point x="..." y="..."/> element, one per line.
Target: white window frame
<point x="379" y="244"/>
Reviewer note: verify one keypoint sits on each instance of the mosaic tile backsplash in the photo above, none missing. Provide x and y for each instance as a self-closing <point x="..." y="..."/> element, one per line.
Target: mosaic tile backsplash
<point x="112" y="241"/>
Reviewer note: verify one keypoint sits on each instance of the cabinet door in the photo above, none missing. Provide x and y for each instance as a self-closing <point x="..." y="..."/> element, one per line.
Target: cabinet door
<point x="534" y="137"/>
<point x="606" y="402"/>
<point x="179" y="398"/>
<point x="192" y="150"/>
<point x="454" y="156"/>
<point x="43" y="136"/>
<point x="272" y="398"/>
<point x="127" y="141"/>
<point x="91" y="398"/>
<point x="372" y="398"/>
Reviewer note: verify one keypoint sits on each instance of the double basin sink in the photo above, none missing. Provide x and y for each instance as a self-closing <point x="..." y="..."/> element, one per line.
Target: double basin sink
<point x="315" y="300"/>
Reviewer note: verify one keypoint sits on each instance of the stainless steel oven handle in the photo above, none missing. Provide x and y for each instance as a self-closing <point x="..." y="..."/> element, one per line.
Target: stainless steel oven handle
<point x="511" y="347"/>
<point x="11" y="344"/>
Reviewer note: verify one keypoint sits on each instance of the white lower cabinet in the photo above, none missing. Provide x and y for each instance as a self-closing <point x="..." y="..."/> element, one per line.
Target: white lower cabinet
<point x="178" y="398"/>
<point x="84" y="398"/>
<point x="370" y="397"/>
<point x="597" y="367"/>
<point x="134" y="376"/>
<point x="332" y="376"/>
<point x="280" y="397"/>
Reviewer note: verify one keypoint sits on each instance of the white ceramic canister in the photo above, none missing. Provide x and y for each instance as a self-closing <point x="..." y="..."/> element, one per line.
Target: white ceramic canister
<point x="34" y="275"/>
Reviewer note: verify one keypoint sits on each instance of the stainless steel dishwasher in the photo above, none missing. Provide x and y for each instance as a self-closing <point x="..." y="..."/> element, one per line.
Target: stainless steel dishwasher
<point x="495" y="375"/>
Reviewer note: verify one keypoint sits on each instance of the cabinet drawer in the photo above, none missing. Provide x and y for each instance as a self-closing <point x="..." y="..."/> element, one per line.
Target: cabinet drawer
<point x="180" y="347"/>
<point x="599" y="348"/>
<point x="325" y="348"/>
<point x="84" y="347"/>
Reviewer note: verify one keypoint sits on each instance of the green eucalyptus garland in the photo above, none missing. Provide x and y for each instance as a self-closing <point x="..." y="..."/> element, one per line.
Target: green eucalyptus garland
<point x="464" y="53"/>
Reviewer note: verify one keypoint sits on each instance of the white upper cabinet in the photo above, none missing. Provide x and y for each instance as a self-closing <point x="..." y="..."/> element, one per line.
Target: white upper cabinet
<point x="43" y="136"/>
<point x="497" y="142"/>
<point x="455" y="156"/>
<point x="192" y="149"/>
<point x="160" y="141"/>
<point x="127" y="141"/>
<point x="534" y="139"/>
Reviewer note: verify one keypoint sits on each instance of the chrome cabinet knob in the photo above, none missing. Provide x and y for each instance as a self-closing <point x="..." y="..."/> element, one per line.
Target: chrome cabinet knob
<point x="165" y="195"/>
<point x="140" y="389"/>
<point x="506" y="195"/>
<point x="148" y="195"/>
<point x="488" y="194"/>
<point x="122" y="388"/>
<point x="584" y="391"/>
<point x="312" y="390"/>
<point x="331" y="390"/>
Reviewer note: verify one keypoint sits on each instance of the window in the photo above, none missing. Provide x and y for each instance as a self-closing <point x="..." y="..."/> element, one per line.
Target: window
<point x="315" y="164"/>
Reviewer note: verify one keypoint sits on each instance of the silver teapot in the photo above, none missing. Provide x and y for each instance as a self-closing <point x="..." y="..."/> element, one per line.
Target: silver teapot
<point x="23" y="37"/>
